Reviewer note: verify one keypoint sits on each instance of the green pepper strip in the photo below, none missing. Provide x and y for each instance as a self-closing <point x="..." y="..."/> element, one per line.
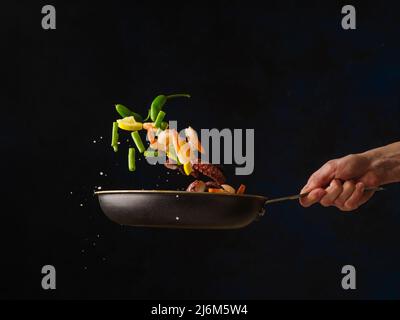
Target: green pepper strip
<point x="159" y="119"/>
<point x="125" y="112"/>
<point x="115" y="136"/>
<point x="157" y="105"/>
<point x="171" y="96"/>
<point x="160" y="101"/>
<point x="131" y="159"/>
<point x="148" y="116"/>
<point x="138" y="141"/>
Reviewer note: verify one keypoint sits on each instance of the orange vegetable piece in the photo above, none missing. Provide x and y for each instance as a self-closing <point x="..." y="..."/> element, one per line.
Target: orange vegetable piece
<point x="241" y="189"/>
<point x="215" y="190"/>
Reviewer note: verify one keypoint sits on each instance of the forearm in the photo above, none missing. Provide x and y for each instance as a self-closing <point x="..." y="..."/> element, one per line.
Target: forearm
<point x="386" y="161"/>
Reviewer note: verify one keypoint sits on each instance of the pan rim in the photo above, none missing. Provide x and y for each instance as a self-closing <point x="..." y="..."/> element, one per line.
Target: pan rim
<point x="125" y="191"/>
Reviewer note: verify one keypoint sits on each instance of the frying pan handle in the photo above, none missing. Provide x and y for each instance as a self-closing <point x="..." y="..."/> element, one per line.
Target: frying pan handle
<point x="298" y="196"/>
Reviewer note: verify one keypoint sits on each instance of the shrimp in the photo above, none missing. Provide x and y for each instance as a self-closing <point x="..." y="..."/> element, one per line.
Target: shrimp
<point x="193" y="140"/>
<point x="163" y="141"/>
<point x="151" y="132"/>
<point x="148" y="125"/>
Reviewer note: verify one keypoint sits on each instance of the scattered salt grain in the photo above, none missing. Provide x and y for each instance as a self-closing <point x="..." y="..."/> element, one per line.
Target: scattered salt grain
<point x="101" y="173"/>
<point x="98" y="188"/>
<point x="177" y="218"/>
<point x="81" y="204"/>
<point x="94" y="141"/>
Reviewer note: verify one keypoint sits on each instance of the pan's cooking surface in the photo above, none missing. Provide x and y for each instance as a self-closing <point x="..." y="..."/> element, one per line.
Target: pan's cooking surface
<point x="180" y="209"/>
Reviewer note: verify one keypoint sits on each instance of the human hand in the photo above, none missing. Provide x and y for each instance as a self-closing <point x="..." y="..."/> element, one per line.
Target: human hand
<point x="342" y="182"/>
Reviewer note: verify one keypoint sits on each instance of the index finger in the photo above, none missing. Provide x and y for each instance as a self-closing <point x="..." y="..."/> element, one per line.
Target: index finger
<point x="313" y="197"/>
<point x="321" y="178"/>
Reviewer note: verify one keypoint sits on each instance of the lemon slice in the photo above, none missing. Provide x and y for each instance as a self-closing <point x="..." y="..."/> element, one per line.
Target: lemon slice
<point x="129" y="124"/>
<point x="187" y="167"/>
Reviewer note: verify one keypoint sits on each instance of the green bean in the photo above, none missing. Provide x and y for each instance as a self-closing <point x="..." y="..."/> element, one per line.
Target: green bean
<point x="150" y="153"/>
<point x="159" y="119"/>
<point x="160" y="101"/>
<point x="138" y="141"/>
<point x="125" y="112"/>
<point x="164" y="125"/>
<point x="131" y="159"/>
<point x="115" y="136"/>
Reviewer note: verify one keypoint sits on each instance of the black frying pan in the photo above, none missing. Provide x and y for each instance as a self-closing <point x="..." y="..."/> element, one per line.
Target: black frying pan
<point x="181" y="209"/>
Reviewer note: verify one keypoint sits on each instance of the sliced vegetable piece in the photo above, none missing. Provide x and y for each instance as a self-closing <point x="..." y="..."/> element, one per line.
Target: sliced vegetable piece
<point x="187" y="167"/>
<point x="215" y="190"/>
<point x="150" y="153"/>
<point x="241" y="189"/>
<point x="115" y="136"/>
<point x="129" y="124"/>
<point x="131" y="159"/>
<point x="138" y="141"/>
<point x="126" y="112"/>
<point x="159" y="119"/>
<point x="164" y="125"/>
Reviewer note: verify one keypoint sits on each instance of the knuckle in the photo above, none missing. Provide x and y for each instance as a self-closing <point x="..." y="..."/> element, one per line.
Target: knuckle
<point x="372" y="180"/>
<point x="330" y="164"/>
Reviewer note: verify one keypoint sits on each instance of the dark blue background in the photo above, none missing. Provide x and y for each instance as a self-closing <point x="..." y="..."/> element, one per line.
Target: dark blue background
<point x="311" y="90"/>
